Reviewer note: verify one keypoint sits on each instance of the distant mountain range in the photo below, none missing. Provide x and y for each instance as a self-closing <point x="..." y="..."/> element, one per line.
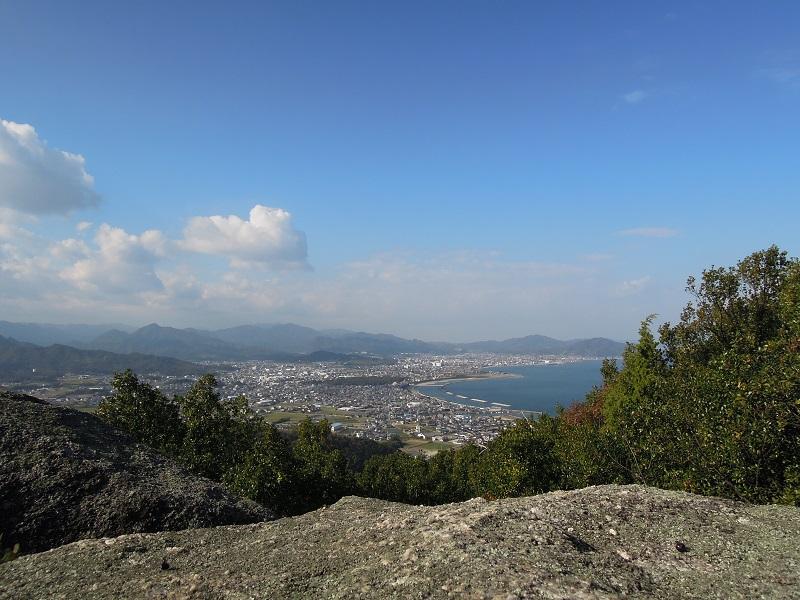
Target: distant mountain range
<point x="541" y="344"/>
<point x="45" y="334"/>
<point x="22" y="361"/>
<point x="283" y="342"/>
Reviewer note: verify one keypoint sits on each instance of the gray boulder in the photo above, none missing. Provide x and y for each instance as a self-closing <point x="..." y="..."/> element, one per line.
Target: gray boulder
<point x="600" y="542"/>
<point x="66" y="475"/>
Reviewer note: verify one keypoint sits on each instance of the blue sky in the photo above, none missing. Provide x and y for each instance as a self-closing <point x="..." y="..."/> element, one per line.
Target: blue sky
<point x="449" y="170"/>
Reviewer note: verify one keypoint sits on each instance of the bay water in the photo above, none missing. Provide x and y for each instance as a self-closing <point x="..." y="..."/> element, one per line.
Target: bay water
<point x="538" y="388"/>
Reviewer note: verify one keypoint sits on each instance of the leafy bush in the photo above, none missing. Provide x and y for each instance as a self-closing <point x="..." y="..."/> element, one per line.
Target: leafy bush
<point x="144" y="412"/>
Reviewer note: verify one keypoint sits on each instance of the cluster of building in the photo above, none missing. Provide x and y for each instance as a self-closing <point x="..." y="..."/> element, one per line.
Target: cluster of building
<point x="378" y="401"/>
<point x="364" y="397"/>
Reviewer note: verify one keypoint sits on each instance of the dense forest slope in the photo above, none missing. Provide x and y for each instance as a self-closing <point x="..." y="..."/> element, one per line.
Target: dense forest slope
<point x="601" y="542"/>
<point x="67" y="475"/>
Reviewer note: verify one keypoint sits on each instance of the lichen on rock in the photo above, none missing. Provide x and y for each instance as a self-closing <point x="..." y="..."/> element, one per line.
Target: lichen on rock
<point x="599" y="542"/>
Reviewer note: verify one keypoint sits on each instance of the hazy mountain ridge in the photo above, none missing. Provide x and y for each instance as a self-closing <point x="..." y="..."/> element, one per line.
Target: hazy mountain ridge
<point x="287" y="337"/>
<point x="185" y="344"/>
<point x="541" y="344"/>
<point x="287" y="341"/>
<point x="18" y="359"/>
<point x="46" y="334"/>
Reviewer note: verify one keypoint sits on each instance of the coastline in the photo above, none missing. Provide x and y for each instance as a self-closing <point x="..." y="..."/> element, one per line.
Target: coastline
<point x="488" y="407"/>
<point x="484" y="405"/>
<point x="485" y="375"/>
<point x="501" y="411"/>
<point x="530" y="391"/>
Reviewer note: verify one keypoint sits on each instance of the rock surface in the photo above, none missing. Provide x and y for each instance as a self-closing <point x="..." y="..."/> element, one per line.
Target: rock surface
<point x="67" y="475"/>
<point x="601" y="542"/>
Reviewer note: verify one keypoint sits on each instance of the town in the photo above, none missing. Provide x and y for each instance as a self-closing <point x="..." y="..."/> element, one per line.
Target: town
<point x="380" y="401"/>
<point x="366" y="397"/>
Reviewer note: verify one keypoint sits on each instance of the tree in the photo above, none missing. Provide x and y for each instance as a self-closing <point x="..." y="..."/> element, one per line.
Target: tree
<point x="322" y="472"/>
<point x="736" y="378"/>
<point x="638" y="420"/>
<point x="266" y="472"/>
<point x="143" y="411"/>
<point x="520" y="461"/>
<point x="736" y="308"/>
<point x="712" y="407"/>
<point x="216" y="431"/>
<point x="587" y="453"/>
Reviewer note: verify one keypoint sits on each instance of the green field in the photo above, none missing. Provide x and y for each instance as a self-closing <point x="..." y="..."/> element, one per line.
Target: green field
<point x="348" y="419"/>
<point x="415" y="446"/>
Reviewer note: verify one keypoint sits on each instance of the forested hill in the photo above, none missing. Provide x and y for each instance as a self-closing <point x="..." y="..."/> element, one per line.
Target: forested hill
<point x="23" y="361"/>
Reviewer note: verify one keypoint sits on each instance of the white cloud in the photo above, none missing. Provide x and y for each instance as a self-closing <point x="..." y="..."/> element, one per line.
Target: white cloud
<point x="267" y="238"/>
<point x="634" y="97"/>
<point x="70" y="250"/>
<point x="14" y="225"/>
<point x="18" y="264"/>
<point x="83" y="226"/>
<point x="651" y="232"/>
<point x="36" y="179"/>
<point x="122" y="262"/>
<point x="632" y="287"/>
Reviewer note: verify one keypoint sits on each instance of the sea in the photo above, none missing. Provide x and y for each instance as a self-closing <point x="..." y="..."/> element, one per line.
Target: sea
<point x="539" y="388"/>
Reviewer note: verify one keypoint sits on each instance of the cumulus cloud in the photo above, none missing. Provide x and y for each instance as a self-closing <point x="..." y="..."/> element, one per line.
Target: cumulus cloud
<point x="19" y="264"/>
<point x="70" y="250"/>
<point x="267" y="238"/>
<point x="10" y="228"/>
<point x="121" y="262"/>
<point x="36" y="179"/>
<point x="651" y="232"/>
<point x="634" y="97"/>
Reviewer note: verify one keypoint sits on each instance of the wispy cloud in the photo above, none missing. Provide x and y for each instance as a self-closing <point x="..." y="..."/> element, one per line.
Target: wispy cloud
<point x="650" y="232"/>
<point x="631" y="287"/>
<point x="634" y="97"/>
<point x="786" y="75"/>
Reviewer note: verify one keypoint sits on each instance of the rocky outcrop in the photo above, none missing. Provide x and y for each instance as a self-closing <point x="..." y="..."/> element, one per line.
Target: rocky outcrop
<point x="601" y="542"/>
<point x="67" y="475"/>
